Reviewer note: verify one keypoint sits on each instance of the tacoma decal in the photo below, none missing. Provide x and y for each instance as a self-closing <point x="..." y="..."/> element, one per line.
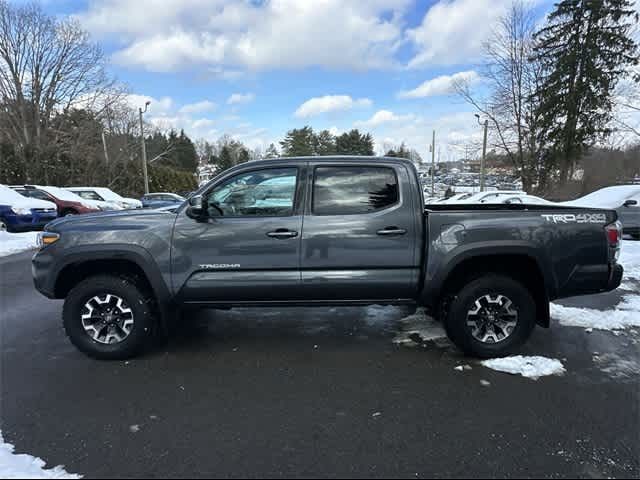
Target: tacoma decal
<point x="218" y="266"/>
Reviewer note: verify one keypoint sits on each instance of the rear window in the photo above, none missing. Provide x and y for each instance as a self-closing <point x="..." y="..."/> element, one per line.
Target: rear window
<point x="347" y="190"/>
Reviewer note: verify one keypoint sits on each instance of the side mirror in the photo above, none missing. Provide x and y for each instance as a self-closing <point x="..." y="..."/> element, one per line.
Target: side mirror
<point x="631" y="203"/>
<point x="195" y="210"/>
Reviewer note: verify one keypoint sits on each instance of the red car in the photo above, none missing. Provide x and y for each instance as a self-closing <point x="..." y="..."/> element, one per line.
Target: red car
<point x="68" y="203"/>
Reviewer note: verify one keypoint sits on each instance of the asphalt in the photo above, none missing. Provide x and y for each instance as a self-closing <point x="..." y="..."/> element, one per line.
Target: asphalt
<point x="312" y="392"/>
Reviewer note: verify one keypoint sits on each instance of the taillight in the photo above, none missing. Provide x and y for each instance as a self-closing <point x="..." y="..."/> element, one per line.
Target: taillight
<point x="614" y="234"/>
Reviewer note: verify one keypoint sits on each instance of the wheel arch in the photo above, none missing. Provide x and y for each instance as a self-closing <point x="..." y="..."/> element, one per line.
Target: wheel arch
<point x="519" y="265"/>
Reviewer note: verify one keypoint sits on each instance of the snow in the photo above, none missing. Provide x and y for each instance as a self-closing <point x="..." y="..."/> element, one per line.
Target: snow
<point x="609" y="197"/>
<point x="626" y="314"/>
<point x="418" y="328"/>
<point x="529" y="367"/>
<point x="17" y="242"/>
<point x="25" y="466"/>
<point x="14" y="199"/>
<point x="630" y="259"/>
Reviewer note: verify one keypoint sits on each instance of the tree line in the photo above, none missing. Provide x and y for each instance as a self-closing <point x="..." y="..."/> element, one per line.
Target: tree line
<point x="554" y="91"/>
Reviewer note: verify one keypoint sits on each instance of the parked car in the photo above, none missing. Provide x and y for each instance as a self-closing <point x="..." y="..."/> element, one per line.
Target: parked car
<point x="68" y="203"/>
<point x="157" y="200"/>
<point x="624" y="199"/>
<point x="487" y="197"/>
<point x="19" y="213"/>
<point x="104" y="194"/>
<point x="511" y="199"/>
<point x="335" y="231"/>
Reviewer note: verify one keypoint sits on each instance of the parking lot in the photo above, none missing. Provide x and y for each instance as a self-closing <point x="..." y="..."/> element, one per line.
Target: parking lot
<point x="317" y="392"/>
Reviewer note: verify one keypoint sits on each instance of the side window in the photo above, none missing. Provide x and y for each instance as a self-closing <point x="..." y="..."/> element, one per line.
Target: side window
<point x="353" y="189"/>
<point x="260" y="193"/>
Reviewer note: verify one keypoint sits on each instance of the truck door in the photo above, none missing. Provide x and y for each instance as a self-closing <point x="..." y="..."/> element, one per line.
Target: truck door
<point x="360" y="233"/>
<point x="247" y="247"/>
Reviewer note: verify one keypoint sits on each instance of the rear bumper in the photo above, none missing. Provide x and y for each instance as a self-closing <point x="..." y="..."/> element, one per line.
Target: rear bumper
<point x="587" y="280"/>
<point x="615" y="277"/>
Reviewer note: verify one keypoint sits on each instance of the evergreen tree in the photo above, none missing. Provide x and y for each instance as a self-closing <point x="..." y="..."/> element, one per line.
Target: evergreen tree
<point x="585" y="48"/>
<point x="272" y="152"/>
<point x="225" y="159"/>
<point x="325" y="143"/>
<point x="298" y="142"/>
<point x="354" y="143"/>
<point x="243" y="156"/>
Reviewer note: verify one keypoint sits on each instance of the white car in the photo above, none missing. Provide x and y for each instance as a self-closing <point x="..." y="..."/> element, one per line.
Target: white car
<point x="105" y="195"/>
<point x="487" y="197"/>
<point x="624" y="199"/>
<point x="519" y="199"/>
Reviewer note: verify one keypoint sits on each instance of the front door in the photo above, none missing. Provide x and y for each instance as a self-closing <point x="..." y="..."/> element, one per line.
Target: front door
<point x="247" y="247"/>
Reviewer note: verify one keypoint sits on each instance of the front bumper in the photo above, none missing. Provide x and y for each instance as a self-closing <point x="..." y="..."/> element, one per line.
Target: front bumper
<point x="34" y="221"/>
<point x="42" y="272"/>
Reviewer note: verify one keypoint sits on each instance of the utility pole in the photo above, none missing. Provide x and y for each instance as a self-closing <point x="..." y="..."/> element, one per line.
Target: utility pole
<point x="106" y="158"/>
<point x="433" y="165"/>
<point x="144" y="149"/>
<point x="484" y="151"/>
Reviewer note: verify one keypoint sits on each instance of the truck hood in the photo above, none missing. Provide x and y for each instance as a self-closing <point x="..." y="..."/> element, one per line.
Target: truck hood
<point x="104" y="220"/>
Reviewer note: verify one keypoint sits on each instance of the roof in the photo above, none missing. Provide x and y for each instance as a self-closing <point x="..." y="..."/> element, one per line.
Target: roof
<point x="335" y="158"/>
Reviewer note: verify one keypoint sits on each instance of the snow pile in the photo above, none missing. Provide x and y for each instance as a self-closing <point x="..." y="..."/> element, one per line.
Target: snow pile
<point x="26" y="466"/>
<point x="418" y="328"/>
<point x="625" y="315"/>
<point x="16" y="242"/>
<point x="630" y="259"/>
<point x="529" y="367"/>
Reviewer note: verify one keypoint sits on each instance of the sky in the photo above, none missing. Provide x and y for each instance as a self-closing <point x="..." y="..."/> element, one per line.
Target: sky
<point x="257" y="68"/>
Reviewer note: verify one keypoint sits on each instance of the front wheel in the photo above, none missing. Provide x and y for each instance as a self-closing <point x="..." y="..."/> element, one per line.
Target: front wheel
<point x="491" y="316"/>
<point x="108" y="317"/>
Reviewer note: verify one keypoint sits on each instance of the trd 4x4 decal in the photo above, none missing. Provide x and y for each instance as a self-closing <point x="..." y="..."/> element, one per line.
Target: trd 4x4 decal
<point x="576" y="218"/>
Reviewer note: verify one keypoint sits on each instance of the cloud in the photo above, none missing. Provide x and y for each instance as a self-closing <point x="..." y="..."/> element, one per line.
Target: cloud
<point x="329" y="103"/>
<point x="158" y="106"/>
<point x="240" y="98"/>
<point x="442" y="85"/>
<point x="382" y="117"/>
<point x="169" y="35"/>
<point x="452" y="32"/>
<point x="198" y="107"/>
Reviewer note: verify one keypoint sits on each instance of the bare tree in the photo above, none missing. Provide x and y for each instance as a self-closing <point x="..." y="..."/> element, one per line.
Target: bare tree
<point x="513" y="79"/>
<point x="47" y="66"/>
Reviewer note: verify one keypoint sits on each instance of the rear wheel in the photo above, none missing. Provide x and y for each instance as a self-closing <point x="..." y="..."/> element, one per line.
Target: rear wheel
<point x="109" y="317"/>
<point x="491" y="316"/>
<point x="3" y="226"/>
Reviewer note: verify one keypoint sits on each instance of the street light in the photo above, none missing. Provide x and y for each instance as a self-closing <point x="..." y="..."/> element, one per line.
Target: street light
<point x="144" y="148"/>
<point x="485" y="124"/>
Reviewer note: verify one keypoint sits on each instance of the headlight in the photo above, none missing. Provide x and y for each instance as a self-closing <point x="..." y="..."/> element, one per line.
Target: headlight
<point x="21" y="211"/>
<point x="47" y="238"/>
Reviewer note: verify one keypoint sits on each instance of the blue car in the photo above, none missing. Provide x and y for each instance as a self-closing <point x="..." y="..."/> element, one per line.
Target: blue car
<point x="158" y="200"/>
<point x="21" y="214"/>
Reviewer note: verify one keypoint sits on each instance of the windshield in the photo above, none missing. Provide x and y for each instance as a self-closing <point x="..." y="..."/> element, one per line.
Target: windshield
<point x="60" y="193"/>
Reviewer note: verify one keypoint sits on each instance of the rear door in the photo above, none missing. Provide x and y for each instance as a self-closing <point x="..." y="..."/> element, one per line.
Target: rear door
<point x="359" y="234"/>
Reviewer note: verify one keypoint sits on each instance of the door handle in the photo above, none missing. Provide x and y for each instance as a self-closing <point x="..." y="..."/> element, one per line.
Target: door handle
<point x="391" y="231"/>
<point x="282" y="233"/>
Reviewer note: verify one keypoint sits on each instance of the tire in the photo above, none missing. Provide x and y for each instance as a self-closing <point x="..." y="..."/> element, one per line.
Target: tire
<point x="108" y="289"/>
<point x="68" y="212"/>
<point x="3" y="226"/>
<point x="491" y="298"/>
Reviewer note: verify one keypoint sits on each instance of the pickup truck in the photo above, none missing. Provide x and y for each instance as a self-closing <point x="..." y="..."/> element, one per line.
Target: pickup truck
<point x="323" y="231"/>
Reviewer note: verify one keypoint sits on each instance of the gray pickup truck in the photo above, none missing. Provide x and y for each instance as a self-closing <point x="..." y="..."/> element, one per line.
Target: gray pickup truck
<point x="324" y="231"/>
